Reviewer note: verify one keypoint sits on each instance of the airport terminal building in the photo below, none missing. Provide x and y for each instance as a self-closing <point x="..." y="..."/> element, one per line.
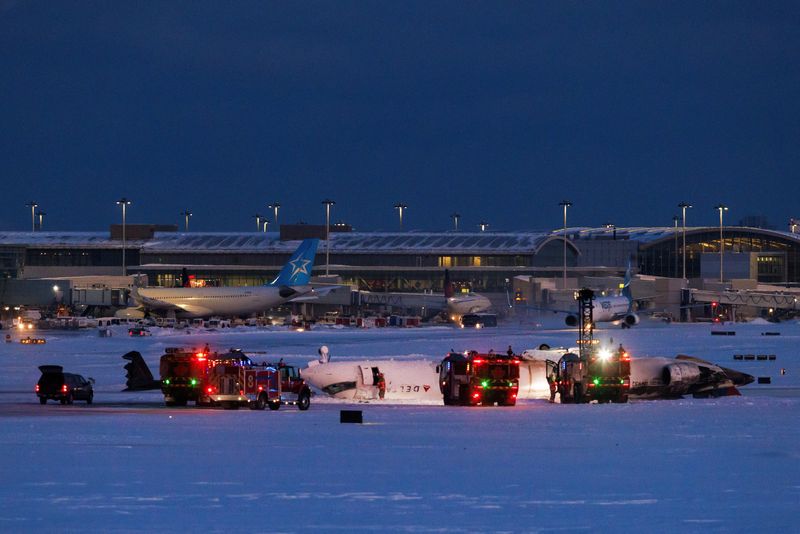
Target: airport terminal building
<point x="484" y="262"/>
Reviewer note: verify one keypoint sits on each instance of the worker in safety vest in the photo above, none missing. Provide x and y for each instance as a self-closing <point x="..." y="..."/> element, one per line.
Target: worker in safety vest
<point x="381" y="386"/>
<point x="552" y="380"/>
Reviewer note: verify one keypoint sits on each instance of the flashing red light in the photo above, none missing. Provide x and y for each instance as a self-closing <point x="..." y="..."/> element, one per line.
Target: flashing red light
<point x="513" y="395"/>
<point x="37" y="388"/>
<point x="476" y="395"/>
<point x="476" y="362"/>
<point x="591" y="384"/>
<point x="64" y="388"/>
<point x="201" y="357"/>
<point x="260" y="388"/>
<point x="515" y="361"/>
<point x="714" y="304"/>
<point x="210" y="389"/>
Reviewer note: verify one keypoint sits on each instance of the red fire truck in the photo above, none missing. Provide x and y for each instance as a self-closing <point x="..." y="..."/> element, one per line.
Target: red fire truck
<point x="472" y="379"/>
<point x="183" y="375"/>
<point x="233" y="381"/>
<point x="294" y="389"/>
<point x="228" y="379"/>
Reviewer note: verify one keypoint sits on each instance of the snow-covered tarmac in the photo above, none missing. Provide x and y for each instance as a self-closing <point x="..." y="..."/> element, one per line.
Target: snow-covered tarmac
<point x="129" y="464"/>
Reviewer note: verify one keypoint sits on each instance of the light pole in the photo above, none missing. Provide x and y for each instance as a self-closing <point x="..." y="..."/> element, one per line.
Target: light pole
<point x="721" y="208"/>
<point x="266" y="225"/>
<point x="186" y="214"/>
<point x="455" y="216"/>
<point x="683" y="206"/>
<point x="675" y="220"/>
<point x="33" y="205"/>
<point x="41" y="215"/>
<point x="124" y="202"/>
<point x="400" y="207"/>
<point x="566" y="204"/>
<point x="257" y="217"/>
<point x="483" y="226"/>
<point x="328" y="203"/>
<point x="275" y="206"/>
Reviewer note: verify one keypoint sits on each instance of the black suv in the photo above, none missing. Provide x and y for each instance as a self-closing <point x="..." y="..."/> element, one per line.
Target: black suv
<point x="65" y="387"/>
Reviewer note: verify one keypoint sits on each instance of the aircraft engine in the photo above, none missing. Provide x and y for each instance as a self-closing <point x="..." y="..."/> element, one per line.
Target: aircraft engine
<point x="571" y="320"/>
<point x="631" y="319"/>
<point x="679" y="377"/>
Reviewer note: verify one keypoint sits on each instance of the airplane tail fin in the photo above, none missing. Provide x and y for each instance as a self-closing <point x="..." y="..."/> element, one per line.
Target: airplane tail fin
<point x="448" y="285"/>
<point x="297" y="271"/>
<point x="626" y="287"/>
<point x="139" y="377"/>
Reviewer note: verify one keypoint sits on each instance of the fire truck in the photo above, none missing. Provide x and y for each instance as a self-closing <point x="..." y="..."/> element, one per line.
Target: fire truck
<point x="183" y="375"/>
<point x="472" y="379"/>
<point x="595" y="374"/>
<point x="294" y="389"/>
<point x="228" y="379"/>
<point x="233" y="381"/>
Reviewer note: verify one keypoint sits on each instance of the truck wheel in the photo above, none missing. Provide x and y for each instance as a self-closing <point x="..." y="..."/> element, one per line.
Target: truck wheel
<point x="463" y="395"/>
<point x="260" y="403"/>
<point x="304" y="402"/>
<point x="274" y="405"/>
<point x="69" y="399"/>
<point x="42" y="400"/>
<point x="90" y="398"/>
<point x="578" y="393"/>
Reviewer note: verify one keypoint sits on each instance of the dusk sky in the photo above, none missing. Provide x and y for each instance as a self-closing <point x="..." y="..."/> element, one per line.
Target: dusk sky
<point x="496" y="110"/>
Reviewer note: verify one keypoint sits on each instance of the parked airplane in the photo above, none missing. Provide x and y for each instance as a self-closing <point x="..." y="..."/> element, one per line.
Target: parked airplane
<point x="462" y="304"/>
<point x="607" y="309"/>
<point x="454" y="305"/>
<point x="418" y="380"/>
<point x="292" y="283"/>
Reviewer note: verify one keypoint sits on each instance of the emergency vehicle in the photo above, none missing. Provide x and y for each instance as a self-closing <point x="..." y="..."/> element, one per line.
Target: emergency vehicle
<point x="183" y="375"/>
<point x="595" y="374"/>
<point x="601" y="375"/>
<point x="294" y="389"/>
<point x="472" y="379"/>
<point x="233" y="381"/>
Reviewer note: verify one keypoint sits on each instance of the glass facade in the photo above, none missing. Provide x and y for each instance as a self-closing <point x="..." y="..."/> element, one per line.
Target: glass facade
<point x="75" y="257"/>
<point x="779" y="260"/>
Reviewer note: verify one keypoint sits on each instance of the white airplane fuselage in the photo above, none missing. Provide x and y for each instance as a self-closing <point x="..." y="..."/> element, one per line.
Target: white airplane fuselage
<point x="470" y="303"/>
<point x="223" y="301"/>
<point x="414" y="380"/>
<point x="417" y="381"/>
<point x="608" y="309"/>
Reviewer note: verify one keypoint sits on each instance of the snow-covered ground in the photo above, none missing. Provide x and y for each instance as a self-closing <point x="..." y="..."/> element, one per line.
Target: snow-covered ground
<point x="127" y="463"/>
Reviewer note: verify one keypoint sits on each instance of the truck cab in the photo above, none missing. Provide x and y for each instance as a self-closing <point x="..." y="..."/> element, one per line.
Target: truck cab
<point x="602" y="376"/>
<point x="183" y="376"/>
<point x="473" y="379"/>
<point x="294" y="389"/>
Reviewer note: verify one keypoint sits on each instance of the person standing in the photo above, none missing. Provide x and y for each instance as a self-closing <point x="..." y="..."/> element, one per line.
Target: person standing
<point x="381" y="386"/>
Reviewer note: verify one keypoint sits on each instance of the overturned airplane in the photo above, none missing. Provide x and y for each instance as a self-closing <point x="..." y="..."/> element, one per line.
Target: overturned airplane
<point x="418" y="380"/>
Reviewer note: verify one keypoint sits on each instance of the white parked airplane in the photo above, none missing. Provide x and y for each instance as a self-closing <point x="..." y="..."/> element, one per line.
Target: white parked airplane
<point x="607" y="309"/>
<point x="418" y="380"/>
<point x="462" y="304"/>
<point x="292" y="283"/>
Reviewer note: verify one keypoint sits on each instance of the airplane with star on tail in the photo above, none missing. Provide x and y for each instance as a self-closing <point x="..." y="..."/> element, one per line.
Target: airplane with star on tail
<point x="292" y="283"/>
